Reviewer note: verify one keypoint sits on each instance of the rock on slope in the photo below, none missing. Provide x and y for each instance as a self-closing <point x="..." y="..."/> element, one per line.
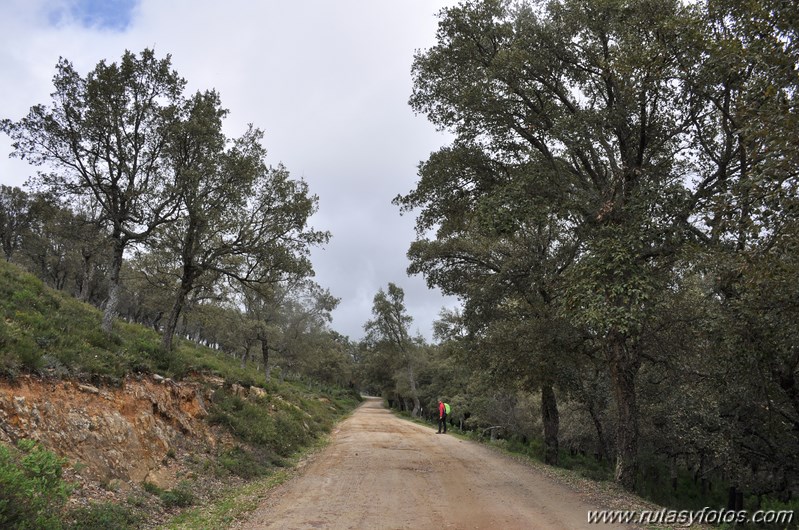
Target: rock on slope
<point x="121" y="432"/>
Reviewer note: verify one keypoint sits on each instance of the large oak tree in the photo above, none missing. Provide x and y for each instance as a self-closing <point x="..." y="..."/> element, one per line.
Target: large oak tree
<point x="103" y="136"/>
<point x="238" y="219"/>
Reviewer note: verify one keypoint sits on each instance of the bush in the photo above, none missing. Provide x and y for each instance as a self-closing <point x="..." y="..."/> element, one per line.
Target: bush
<point x="102" y="340"/>
<point x="291" y="432"/>
<point x="102" y="516"/>
<point x="282" y="430"/>
<point x="32" y="491"/>
<point x="241" y="463"/>
<point x="180" y="496"/>
<point x="151" y="488"/>
<point x="245" y="420"/>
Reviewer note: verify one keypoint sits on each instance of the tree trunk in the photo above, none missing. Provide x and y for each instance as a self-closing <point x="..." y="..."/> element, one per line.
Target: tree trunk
<point x="602" y="450"/>
<point x="87" y="276"/>
<point x="551" y="420"/>
<point x="673" y="475"/>
<point x="177" y="306"/>
<point x="114" y="288"/>
<point x="245" y="355"/>
<point x="414" y="394"/>
<point x="265" y="356"/>
<point x="624" y="369"/>
<point x="87" y="270"/>
<point x="735" y="499"/>
<point x="59" y="276"/>
<point x="8" y="243"/>
<point x="787" y="381"/>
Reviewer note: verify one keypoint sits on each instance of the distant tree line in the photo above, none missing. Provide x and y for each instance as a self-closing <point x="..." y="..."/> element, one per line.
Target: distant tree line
<point x="619" y="214"/>
<point x="145" y="208"/>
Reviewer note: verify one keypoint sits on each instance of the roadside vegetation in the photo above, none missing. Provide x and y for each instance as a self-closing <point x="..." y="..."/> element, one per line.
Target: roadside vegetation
<point x="47" y="333"/>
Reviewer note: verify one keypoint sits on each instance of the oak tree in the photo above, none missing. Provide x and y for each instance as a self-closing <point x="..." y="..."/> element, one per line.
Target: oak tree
<point x="102" y="136"/>
<point x="389" y="329"/>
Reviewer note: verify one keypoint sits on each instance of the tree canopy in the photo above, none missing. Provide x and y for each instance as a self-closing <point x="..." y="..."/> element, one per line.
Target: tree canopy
<point x="165" y="181"/>
<point x="604" y="153"/>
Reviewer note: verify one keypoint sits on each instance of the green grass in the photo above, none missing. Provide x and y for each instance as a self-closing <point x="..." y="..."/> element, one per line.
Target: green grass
<point x="232" y="505"/>
<point x="236" y="503"/>
<point x="180" y="496"/>
<point x="654" y="484"/>
<point x="46" y="332"/>
<point x="103" y="516"/>
<point x="286" y="419"/>
<point x="32" y="491"/>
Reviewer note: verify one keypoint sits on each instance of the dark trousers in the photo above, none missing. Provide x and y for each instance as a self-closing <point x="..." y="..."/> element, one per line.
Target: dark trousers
<point x="442" y="421"/>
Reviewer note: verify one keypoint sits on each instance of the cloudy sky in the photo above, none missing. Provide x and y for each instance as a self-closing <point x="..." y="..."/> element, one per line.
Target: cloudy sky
<point x="327" y="80"/>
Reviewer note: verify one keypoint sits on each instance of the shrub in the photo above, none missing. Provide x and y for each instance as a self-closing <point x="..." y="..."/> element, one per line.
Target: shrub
<point x="244" y="464"/>
<point x="32" y="491"/>
<point x="249" y="422"/>
<point x="102" y="516"/>
<point x="102" y="340"/>
<point x="151" y="488"/>
<point x="29" y="355"/>
<point x="290" y="433"/>
<point x="180" y="496"/>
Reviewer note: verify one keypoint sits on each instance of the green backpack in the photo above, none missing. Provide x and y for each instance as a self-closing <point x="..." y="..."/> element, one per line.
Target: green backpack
<point x="446" y="408"/>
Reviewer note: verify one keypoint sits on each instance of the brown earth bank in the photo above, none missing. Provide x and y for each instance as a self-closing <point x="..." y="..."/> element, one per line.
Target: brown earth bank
<point x="381" y="472"/>
<point x="115" y="432"/>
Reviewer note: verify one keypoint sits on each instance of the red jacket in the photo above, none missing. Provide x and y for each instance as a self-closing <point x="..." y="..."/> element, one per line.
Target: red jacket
<point x="441" y="409"/>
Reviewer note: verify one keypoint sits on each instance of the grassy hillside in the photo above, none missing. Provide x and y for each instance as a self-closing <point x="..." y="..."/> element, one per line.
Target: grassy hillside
<point x="47" y="333"/>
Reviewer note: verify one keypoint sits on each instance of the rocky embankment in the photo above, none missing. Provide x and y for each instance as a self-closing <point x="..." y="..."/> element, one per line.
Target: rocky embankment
<point x="121" y="433"/>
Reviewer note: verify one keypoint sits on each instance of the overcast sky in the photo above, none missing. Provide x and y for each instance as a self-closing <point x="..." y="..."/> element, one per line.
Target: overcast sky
<point x="327" y="80"/>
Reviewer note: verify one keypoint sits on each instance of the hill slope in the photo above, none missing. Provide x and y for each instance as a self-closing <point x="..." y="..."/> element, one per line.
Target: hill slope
<point x="133" y="422"/>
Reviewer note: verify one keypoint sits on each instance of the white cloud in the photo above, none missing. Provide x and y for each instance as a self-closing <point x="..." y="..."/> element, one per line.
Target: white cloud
<point x="327" y="81"/>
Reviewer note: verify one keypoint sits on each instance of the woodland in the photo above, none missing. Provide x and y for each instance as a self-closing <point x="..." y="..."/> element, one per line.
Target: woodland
<point x="617" y="213"/>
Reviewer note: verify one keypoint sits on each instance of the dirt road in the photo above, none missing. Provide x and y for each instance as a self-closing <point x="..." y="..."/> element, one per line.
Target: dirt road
<point x="381" y="472"/>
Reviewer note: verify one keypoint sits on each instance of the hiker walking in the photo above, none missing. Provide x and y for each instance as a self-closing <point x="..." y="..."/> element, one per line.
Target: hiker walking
<point x="443" y="412"/>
